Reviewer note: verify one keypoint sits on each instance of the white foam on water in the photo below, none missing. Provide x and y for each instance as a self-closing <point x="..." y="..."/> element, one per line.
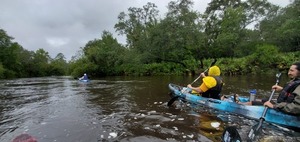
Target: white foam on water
<point x="175" y="128"/>
<point x="215" y="124"/>
<point x="191" y="136"/>
<point x="113" y="134"/>
<point x="181" y="119"/>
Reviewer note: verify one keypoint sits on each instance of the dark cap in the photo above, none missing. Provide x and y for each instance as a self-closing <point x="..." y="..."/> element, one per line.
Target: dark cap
<point x="298" y="65"/>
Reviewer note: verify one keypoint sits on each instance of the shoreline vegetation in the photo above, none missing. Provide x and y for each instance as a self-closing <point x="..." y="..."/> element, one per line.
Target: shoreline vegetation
<point x="183" y="42"/>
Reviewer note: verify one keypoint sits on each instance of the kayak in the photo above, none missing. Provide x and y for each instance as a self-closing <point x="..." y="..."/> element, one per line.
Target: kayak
<point x="251" y="112"/>
<point x="84" y="80"/>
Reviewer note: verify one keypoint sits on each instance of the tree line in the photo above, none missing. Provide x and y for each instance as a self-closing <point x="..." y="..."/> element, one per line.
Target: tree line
<point x="17" y="62"/>
<point x="185" y="41"/>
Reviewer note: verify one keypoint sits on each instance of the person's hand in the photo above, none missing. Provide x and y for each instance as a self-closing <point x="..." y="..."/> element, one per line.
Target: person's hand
<point x="277" y="87"/>
<point x="189" y="86"/>
<point x="202" y="74"/>
<point x="268" y="104"/>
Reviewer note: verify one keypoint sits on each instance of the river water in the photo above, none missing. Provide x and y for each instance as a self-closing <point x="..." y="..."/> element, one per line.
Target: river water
<point x="61" y="109"/>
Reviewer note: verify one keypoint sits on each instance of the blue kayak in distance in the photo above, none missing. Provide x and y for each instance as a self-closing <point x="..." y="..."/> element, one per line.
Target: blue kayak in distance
<point x="251" y="112"/>
<point x="84" y="80"/>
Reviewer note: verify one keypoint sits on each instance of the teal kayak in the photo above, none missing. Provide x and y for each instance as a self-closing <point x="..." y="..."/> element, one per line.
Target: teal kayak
<point x="251" y="112"/>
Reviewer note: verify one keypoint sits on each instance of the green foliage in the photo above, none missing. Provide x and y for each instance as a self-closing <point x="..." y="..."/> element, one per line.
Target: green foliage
<point x="82" y="66"/>
<point x="289" y="36"/>
<point x="226" y="22"/>
<point x="183" y="41"/>
<point x="282" y="29"/>
<point x="153" y="69"/>
<point x="2" y="70"/>
<point x="9" y="74"/>
<point x="58" y="65"/>
<point x="162" y="69"/>
<point x="40" y="63"/>
<point x="265" y="55"/>
<point x="18" y="62"/>
<point x="258" y="62"/>
<point x="234" y="66"/>
<point x="192" y="65"/>
<point x="101" y="57"/>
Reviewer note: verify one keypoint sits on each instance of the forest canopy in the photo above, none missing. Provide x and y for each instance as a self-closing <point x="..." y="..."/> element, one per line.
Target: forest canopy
<point x="245" y="36"/>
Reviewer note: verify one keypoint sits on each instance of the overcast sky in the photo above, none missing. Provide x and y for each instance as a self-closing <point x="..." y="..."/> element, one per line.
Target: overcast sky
<point x="63" y="26"/>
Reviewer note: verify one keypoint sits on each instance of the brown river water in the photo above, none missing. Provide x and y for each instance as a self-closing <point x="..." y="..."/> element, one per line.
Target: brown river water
<point x="125" y="109"/>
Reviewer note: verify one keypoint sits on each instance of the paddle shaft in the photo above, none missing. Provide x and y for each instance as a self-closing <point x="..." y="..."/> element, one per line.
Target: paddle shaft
<point x="252" y="133"/>
<point x="262" y="118"/>
<point x="266" y="108"/>
<point x="198" y="77"/>
<point x="270" y="98"/>
<point x="213" y="63"/>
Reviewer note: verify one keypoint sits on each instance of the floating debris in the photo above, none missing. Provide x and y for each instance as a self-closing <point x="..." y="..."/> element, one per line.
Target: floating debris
<point x="190" y="136"/>
<point x="181" y="119"/>
<point x="175" y="128"/>
<point x="113" y="134"/>
<point x="215" y="124"/>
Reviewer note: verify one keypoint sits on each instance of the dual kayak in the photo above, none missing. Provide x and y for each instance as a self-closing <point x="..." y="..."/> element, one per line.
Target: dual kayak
<point x="251" y="112"/>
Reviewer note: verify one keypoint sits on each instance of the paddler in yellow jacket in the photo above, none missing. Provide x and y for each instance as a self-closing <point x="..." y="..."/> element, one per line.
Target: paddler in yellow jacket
<point x="211" y="86"/>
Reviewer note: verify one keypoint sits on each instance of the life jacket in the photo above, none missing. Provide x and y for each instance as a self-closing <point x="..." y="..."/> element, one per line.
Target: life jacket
<point x="215" y="91"/>
<point x="286" y="94"/>
<point x="85" y="77"/>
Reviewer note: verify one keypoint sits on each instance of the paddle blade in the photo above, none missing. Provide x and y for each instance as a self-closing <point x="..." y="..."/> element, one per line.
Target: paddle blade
<point x="255" y="130"/>
<point x="231" y="135"/>
<point x="213" y="63"/>
<point x="172" y="101"/>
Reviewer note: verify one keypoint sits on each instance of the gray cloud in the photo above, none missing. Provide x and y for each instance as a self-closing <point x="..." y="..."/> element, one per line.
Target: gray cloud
<point x="63" y="26"/>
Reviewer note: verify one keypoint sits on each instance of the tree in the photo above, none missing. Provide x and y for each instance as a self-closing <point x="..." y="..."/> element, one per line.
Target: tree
<point x="41" y="61"/>
<point x="177" y="38"/>
<point x="136" y="23"/>
<point x="58" y="65"/>
<point x="285" y="25"/>
<point x="10" y="56"/>
<point x="103" y="55"/>
<point x="226" y="23"/>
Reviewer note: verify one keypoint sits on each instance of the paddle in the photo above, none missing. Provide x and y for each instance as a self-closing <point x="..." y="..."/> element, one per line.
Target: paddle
<point x="229" y="136"/>
<point x="213" y="63"/>
<point x="256" y="128"/>
<point x="176" y="97"/>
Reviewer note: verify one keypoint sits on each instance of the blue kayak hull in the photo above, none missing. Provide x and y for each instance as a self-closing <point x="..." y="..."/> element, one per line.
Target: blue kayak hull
<point x="252" y="112"/>
<point x="84" y="80"/>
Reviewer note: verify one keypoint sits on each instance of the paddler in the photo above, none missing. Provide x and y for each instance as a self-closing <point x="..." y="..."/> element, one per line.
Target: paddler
<point x="288" y="100"/>
<point x="211" y="86"/>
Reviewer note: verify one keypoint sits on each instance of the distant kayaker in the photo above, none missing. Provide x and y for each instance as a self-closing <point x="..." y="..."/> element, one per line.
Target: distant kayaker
<point x="288" y="100"/>
<point x="211" y="86"/>
<point x="84" y="77"/>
